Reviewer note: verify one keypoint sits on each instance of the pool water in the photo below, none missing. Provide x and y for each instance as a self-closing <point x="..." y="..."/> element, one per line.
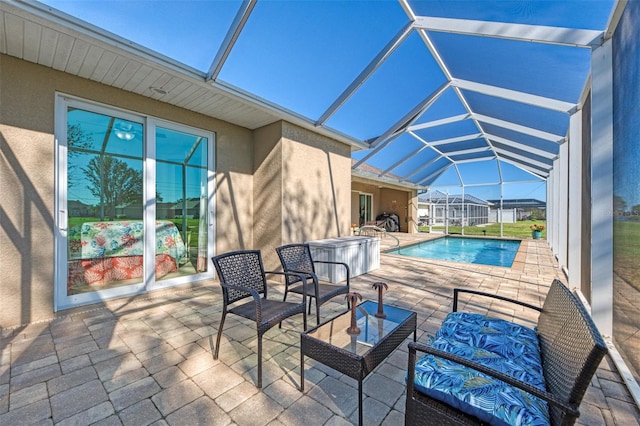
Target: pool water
<point x="468" y="250"/>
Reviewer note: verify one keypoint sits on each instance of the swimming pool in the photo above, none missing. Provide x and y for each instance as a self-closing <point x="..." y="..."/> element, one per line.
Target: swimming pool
<point x="469" y="250"/>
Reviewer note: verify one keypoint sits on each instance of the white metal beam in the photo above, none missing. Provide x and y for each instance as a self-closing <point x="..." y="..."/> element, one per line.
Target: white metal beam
<point x="440" y="122"/>
<point x="230" y="39"/>
<point x="374" y="151"/>
<point x="403" y="159"/>
<point x="602" y="169"/>
<point x="467" y="151"/>
<point x="475" y="160"/>
<point x="574" y="220"/>
<point x="514" y="95"/>
<point x="524" y="159"/>
<point x="523" y="147"/>
<point x="519" y="128"/>
<point x="423" y="167"/>
<point x="521" y="32"/>
<point x="435" y="175"/>
<point x="528" y="169"/>
<point x="412" y="115"/>
<point x="386" y="51"/>
<point x="456" y="139"/>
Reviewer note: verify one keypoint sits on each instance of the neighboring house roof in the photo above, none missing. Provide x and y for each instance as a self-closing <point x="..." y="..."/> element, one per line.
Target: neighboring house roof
<point x="75" y="204"/>
<point x="438" y="197"/>
<point x="192" y="203"/>
<point x="521" y="203"/>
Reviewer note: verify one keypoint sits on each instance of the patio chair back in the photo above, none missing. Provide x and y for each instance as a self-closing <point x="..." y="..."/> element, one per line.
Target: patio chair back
<point x="298" y="261"/>
<point x="571" y="347"/>
<point x="296" y="257"/>
<point x="240" y="269"/>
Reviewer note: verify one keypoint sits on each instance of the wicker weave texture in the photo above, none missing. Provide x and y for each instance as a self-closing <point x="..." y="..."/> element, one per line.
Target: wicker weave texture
<point x="242" y="276"/>
<point x="570" y="345"/>
<point x="296" y="257"/>
<point x="241" y="269"/>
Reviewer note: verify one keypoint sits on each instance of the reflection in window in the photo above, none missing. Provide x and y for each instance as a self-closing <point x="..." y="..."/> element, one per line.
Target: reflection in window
<point x="181" y="199"/>
<point x="626" y="197"/>
<point x="104" y="201"/>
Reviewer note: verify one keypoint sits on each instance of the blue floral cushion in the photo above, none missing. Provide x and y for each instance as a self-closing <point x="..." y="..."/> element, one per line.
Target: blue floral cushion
<point x="530" y="373"/>
<point x="504" y="346"/>
<point x="513" y="341"/>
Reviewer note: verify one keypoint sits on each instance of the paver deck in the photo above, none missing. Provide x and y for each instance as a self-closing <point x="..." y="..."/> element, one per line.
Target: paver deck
<point x="147" y="360"/>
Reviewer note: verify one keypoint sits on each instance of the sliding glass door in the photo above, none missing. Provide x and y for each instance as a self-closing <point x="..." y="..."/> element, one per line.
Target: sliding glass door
<point x="181" y="200"/>
<point x="134" y="202"/>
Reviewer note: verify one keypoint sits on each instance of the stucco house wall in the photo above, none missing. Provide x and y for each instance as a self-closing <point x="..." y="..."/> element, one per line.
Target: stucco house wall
<point x="262" y="178"/>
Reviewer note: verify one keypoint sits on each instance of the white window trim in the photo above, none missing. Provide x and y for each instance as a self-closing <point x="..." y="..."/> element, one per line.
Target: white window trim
<point x="61" y="299"/>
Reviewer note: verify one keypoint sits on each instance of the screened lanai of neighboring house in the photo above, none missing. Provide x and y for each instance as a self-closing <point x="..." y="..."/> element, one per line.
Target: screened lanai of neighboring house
<point x="481" y="96"/>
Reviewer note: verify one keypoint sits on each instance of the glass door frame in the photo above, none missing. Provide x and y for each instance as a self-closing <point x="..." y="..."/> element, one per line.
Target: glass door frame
<point x="148" y="282"/>
<point x="368" y="210"/>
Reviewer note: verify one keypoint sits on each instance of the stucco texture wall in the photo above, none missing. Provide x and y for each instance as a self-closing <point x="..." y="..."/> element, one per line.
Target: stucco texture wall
<point x="316" y="186"/>
<point x="301" y="188"/>
<point x="27" y="178"/>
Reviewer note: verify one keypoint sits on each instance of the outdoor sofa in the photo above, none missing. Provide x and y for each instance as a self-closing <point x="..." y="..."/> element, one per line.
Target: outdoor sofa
<point x="483" y="370"/>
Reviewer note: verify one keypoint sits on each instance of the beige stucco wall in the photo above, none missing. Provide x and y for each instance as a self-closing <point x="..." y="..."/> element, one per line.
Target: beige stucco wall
<point x="275" y="185"/>
<point x="301" y="188"/>
<point x="316" y="189"/>
<point x="267" y="192"/>
<point x="27" y="179"/>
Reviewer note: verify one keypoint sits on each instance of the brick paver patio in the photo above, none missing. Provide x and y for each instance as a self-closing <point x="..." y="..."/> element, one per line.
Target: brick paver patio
<point x="147" y="360"/>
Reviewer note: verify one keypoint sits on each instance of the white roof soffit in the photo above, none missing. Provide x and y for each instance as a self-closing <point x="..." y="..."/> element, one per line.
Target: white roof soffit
<point x="521" y="32"/>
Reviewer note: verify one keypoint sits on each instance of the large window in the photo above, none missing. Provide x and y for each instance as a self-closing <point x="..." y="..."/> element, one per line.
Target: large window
<point x="134" y="198"/>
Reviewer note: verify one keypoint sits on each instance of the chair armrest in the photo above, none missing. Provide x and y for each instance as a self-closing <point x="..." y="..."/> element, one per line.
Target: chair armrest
<point x="256" y="297"/>
<point x="493" y="296"/>
<point x="336" y="263"/>
<point x="546" y="396"/>
<point x="305" y="275"/>
<point x="301" y="275"/>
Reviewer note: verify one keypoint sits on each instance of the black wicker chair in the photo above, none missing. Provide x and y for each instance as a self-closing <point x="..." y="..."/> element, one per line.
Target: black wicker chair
<point x="242" y="276"/>
<point x="571" y="349"/>
<point x="297" y="258"/>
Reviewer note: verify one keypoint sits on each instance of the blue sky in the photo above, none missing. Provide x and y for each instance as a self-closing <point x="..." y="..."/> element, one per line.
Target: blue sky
<point x="302" y="54"/>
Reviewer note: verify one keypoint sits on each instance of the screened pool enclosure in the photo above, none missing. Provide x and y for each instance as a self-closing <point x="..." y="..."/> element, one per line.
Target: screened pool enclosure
<point x="493" y="99"/>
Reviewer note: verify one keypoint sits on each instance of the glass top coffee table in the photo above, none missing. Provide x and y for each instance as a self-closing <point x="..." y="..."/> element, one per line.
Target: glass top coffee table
<point x="357" y="355"/>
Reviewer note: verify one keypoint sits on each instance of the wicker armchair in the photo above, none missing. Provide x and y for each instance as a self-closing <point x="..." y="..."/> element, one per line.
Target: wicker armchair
<point x="242" y="276"/>
<point x="297" y="258"/>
